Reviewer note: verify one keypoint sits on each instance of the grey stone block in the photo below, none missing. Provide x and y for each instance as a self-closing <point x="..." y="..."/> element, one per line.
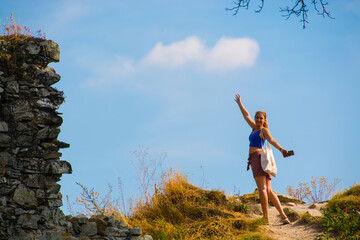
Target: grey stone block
<point x="146" y="237"/>
<point x="89" y="229"/>
<point x="81" y="218"/>
<point x="115" y="232"/>
<point x="25" y="198"/>
<point x="136" y="231"/>
<point x="50" y="236"/>
<point x="47" y="76"/>
<point x="4" y="127"/>
<point x="59" y="167"/>
<point x="52" y="50"/>
<point x="121" y="224"/>
<point x="32" y="48"/>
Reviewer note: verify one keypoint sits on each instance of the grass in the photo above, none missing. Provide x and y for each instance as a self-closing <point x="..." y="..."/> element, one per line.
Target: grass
<point x="180" y="210"/>
<point x="177" y="209"/>
<point x="12" y="30"/>
<point x="307" y="218"/>
<point x="12" y="37"/>
<point x="342" y="214"/>
<point x="292" y="215"/>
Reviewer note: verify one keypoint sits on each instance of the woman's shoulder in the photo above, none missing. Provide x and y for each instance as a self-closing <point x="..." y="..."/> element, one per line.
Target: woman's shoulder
<point x="264" y="132"/>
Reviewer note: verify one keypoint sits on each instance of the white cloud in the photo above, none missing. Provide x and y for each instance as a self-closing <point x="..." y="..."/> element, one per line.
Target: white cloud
<point x="227" y="54"/>
<point x="176" y="54"/>
<point x="231" y="53"/>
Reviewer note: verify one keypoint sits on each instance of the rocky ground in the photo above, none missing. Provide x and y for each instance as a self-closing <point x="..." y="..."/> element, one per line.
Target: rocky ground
<point x="297" y="229"/>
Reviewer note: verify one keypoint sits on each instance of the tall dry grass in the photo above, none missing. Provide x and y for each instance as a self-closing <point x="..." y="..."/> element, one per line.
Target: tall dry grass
<point x="11" y="29"/>
<point x="170" y="207"/>
<point x="317" y="190"/>
<point x="180" y="210"/>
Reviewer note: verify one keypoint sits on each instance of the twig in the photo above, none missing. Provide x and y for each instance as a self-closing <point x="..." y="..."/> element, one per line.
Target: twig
<point x="299" y="9"/>
<point x="69" y="206"/>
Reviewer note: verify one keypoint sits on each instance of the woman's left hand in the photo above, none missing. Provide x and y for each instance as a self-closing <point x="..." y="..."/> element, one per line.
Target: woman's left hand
<point x="284" y="152"/>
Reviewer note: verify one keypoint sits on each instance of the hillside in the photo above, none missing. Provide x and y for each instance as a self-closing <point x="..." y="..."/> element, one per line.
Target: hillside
<point x="180" y="210"/>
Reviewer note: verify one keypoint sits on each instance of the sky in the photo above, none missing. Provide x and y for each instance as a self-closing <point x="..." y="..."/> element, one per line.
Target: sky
<point x="161" y="76"/>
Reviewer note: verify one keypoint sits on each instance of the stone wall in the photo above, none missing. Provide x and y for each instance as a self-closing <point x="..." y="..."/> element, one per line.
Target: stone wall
<point x="29" y="149"/>
<point x="30" y="164"/>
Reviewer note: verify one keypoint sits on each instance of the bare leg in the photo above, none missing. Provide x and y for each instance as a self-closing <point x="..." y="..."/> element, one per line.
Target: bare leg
<point x="262" y="187"/>
<point x="274" y="199"/>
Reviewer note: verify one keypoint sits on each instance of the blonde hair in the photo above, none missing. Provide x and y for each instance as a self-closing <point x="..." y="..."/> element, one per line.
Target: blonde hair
<point x="266" y="125"/>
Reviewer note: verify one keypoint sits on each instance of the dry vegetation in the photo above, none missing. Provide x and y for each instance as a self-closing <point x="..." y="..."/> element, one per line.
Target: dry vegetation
<point x="318" y="190"/>
<point x="177" y="209"/>
<point x="170" y="207"/>
<point x="13" y="35"/>
<point x="180" y="210"/>
<point x="11" y="30"/>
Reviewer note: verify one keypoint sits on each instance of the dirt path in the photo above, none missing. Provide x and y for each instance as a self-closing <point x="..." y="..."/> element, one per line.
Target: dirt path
<point x="293" y="231"/>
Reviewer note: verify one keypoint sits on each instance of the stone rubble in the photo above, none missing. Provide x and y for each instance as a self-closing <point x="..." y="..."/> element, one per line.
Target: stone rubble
<point x="30" y="164"/>
<point x="284" y="199"/>
<point x="101" y="227"/>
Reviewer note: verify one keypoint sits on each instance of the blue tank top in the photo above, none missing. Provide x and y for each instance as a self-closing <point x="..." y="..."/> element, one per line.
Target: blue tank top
<point x="255" y="139"/>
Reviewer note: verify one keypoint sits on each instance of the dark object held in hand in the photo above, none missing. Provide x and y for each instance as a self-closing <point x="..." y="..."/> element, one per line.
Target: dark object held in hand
<point x="289" y="153"/>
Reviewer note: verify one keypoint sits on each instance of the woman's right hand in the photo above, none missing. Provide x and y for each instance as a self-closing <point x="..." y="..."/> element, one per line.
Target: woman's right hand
<point x="244" y="112"/>
<point x="237" y="98"/>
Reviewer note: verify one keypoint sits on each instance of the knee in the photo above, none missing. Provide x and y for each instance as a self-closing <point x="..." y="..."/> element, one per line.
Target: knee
<point x="263" y="190"/>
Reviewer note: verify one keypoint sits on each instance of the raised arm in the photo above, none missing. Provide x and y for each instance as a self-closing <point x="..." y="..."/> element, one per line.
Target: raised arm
<point x="244" y="112"/>
<point x="266" y="134"/>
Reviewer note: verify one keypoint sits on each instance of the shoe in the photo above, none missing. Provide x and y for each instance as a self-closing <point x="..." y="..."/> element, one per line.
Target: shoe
<point x="285" y="221"/>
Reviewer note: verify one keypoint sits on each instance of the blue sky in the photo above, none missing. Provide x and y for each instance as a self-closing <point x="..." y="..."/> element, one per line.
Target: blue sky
<point x="163" y="75"/>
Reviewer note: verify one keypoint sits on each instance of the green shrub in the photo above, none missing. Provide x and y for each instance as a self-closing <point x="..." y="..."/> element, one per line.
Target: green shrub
<point x="342" y="214"/>
<point x="291" y="214"/>
<point x="255" y="237"/>
<point x="309" y="219"/>
<point x="240" y="207"/>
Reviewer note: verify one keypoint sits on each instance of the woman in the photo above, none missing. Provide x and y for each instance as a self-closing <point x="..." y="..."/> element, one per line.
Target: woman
<point x="260" y="133"/>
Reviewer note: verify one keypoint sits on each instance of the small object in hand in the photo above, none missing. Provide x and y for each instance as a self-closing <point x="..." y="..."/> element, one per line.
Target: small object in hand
<point x="289" y="153"/>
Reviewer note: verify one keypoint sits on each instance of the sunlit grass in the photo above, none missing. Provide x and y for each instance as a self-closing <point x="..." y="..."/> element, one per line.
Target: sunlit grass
<point x="342" y="214"/>
<point x="181" y="210"/>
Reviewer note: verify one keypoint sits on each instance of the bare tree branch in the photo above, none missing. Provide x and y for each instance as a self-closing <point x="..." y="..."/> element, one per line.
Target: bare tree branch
<point x="323" y="11"/>
<point x="299" y="9"/>
<point x="260" y="6"/>
<point x="239" y="4"/>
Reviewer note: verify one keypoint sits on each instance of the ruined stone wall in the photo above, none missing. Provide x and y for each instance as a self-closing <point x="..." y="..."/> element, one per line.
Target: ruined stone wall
<point x="30" y="164"/>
